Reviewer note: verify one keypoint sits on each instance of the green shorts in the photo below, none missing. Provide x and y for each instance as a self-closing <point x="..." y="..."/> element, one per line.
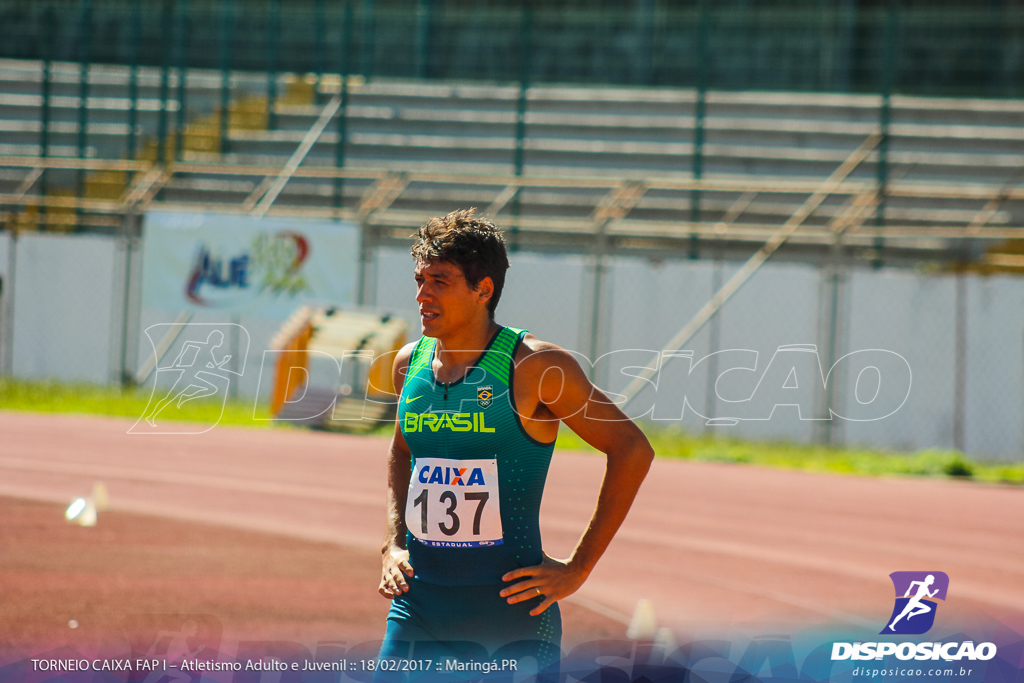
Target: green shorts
<point x="472" y="625"/>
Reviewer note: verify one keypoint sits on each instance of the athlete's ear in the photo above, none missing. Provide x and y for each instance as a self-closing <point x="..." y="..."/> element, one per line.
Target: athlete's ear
<point x="485" y="289"/>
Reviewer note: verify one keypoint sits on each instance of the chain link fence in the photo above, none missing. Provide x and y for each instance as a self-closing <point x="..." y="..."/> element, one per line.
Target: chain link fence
<point x="963" y="387"/>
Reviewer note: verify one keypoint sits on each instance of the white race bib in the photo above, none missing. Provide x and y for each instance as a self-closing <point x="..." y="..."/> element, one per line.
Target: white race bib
<point x="454" y="503"/>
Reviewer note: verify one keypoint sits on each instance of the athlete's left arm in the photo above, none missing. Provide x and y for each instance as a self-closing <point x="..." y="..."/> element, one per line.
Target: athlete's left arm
<point x="564" y="389"/>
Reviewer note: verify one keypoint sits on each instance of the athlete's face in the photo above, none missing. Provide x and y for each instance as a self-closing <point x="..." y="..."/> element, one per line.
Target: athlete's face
<point x="447" y="302"/>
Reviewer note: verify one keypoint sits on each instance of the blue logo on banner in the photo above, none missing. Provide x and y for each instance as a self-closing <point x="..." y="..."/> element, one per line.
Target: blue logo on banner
<point x="916" y="592"/>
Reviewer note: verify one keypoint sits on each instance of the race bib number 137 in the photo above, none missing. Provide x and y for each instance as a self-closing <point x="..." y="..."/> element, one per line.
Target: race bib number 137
<point x="454" y="503"/>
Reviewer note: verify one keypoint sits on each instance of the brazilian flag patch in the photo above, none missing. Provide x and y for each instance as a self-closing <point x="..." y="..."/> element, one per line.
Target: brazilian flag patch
<point x="484" y="396"/>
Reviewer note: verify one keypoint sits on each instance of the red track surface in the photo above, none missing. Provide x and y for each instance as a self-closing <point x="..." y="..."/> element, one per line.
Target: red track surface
<point x="714" y="546"/>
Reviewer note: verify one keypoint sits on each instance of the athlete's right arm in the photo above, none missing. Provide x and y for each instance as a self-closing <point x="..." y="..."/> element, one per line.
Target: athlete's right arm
<point x="394" y="555"/>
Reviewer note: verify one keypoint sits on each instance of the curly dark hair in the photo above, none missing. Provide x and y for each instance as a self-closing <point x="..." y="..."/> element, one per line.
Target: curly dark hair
<point x="473" y="244"/>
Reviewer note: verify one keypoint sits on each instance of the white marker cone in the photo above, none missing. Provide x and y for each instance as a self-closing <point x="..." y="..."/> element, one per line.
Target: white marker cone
<point x="644" y="624"/>
<point x="664" y="642"/>
<point x="100" y="496"/>
<point x="81" y="512"/>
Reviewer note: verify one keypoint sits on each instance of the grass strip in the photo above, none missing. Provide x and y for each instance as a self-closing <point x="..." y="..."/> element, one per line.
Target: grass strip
<point x="91" y="399"/>
<point x="676" y="443"/>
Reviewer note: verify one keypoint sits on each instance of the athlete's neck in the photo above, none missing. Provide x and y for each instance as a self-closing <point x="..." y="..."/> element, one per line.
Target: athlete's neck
<point x="458" y="350"/>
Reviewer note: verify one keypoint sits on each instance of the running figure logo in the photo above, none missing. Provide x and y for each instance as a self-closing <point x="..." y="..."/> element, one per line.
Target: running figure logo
<point x="914" y="611"/>
<point x="203" y="368"/>
<point x="171" y="638"/>
<point x="197" y="384"/>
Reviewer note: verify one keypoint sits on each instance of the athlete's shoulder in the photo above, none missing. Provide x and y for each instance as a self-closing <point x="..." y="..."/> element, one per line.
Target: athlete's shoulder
<point x="532" y="346"/>
<point x="401" y="364"/>
<point x="405" y="353"/>
<point x="534" y="361"/>
<point x="535" y="356"/>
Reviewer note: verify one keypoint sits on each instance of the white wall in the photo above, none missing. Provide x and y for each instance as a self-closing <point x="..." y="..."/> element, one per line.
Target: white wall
<point x="913" y="315"/>
<point x="6" y="331"/>
<point x="63" y="307"/>
<point x="995" y="366"/>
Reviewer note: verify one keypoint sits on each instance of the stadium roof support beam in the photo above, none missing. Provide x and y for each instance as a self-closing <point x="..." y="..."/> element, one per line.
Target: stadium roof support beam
<point x="26" y="184"/>
<point x="737" y="208"/>
<point x="145" y="187"/>
<point x="249" y="205"/>
<point x="502" y="200"/>
<point x="619" y="201"/>
<point x="391" y="196"/>
<point x="718" y="184"/>
<point x="991" y="207"/>
<point x="853" y="215"/>
<point x="85" y="204"/>
<point x="72" y="164"/>
<point x="329" y="110"/>
<point x="379" y="196"/>
<point x="754" y="263"/>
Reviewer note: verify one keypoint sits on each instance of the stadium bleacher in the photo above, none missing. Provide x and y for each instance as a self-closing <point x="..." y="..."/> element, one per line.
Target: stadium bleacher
<point x="611" y="160"/>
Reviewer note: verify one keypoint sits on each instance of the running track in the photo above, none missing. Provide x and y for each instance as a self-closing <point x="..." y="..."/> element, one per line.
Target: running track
<point x="714" y="546"/>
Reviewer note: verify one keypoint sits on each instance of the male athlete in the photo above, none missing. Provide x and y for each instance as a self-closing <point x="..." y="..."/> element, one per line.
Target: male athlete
<point x="478" y="411"/>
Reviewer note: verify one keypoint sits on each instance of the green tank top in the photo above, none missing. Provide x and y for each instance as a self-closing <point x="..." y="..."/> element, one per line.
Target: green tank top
<point x="477" y="477"/>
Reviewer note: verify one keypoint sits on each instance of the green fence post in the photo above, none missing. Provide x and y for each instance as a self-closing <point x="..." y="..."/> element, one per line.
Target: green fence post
<point x="227" y="19"/>
<point x="133" y="76"/>
<point x="993" y="56"/>
<point x="165" y="67"/>
<point x="182" y="54"/>
<point x="49" y="34"/>
<point x="424" y="18"/>
<point x="846" y="44"/>
<point x="49" y="21"/>
<point x="273" y="41"/>
<point x="703" y="28"/>
<point x="339" y="151"/>
<point x="525" y="51"/>
<point x="884" y="115"/>
<point x="644" y="50"/>
<point x="319" y="27"/>
<point x="84" y="50"/>
<point x="369" y="40"/>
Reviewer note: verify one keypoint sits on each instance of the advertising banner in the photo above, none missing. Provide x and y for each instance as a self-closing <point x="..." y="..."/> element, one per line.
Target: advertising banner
<point x="240" y="265"/>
